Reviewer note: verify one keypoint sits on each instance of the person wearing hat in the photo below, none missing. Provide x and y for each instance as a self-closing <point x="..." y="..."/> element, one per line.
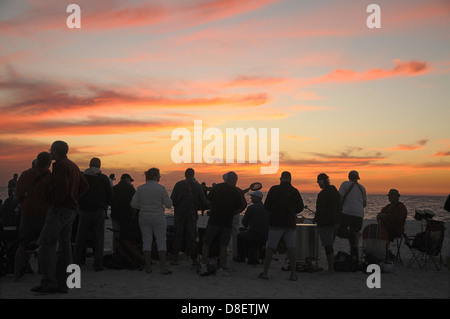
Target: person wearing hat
<point x="393" y="216"/>
<point x="283" y="202"/>
<point x="354" y="200"/>
<point x="256" y="224"/>
<point x="122" y="214"/>
<point x="328" y="210"/>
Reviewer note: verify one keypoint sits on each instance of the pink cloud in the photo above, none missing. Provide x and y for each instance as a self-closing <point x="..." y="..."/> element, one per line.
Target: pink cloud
<point x="410" y="147"/>
<point x="409" y="68"/>
<point x="442" y="154"/>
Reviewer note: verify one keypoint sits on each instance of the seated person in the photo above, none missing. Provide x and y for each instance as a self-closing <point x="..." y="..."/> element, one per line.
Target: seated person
<point x="256" y="223"/>
<point x="393" y="216"/>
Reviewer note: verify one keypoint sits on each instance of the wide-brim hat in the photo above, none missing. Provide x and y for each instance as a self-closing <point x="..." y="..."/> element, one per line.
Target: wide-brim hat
<point x="126" y="176"/>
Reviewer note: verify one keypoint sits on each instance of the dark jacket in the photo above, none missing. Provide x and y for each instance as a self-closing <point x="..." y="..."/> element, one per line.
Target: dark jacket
<point x="256" y="219"/>
<point x="283" y="202"/>
<point x="121" y="207"/>
<point x="99" y="195"/>
<point x="32" y="188"/>
<point x="188" y="198"/>
<point x="67" y="185"/>
<point x="393" y="217"/>
<point x="328" y="207"/>
<point x="226" y="202"/>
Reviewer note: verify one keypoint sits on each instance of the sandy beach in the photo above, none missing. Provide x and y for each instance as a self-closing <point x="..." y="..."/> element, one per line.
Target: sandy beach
<point x="242" y="284"/>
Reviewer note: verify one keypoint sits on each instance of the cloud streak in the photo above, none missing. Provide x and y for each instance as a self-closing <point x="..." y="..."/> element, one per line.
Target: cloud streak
<point x="408" y="68"/>
<point x="410" y="147"/>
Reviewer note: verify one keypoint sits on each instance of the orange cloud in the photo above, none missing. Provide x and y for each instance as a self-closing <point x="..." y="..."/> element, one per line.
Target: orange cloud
<point x="102" y="15"/>
<point x="28" y="96"/>
<point x="410" y="68"/>
<point x="442" y="154"/>
<point x="410" y="147"/>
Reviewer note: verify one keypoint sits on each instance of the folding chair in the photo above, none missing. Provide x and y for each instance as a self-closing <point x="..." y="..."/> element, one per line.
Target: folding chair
<point x="397" y="243"/>
<point x="426" y="246"/>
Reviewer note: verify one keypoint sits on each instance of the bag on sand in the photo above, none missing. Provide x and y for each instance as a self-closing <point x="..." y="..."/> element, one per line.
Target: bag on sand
<point x="127" y="256"/>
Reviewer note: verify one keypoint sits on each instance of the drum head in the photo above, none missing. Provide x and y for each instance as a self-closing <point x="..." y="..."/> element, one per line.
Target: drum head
<point x="255" y="186"/>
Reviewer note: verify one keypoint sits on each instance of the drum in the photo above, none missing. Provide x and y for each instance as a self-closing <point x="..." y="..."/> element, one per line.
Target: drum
<point x="306" y="242"/>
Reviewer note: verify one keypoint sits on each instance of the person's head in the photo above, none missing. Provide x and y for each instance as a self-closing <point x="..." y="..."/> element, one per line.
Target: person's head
<point x="153" y="174"/>
<point x="393" y="196"/>
<point x="286" y="177"/>
<point x="15" y="176"/>
<point x="230" y="178"/>
<point x="353" y="176"/>
<point x="43" y="160"/>
<point x="189" y="174"/>
<point x="58" y="150"/>
<point x="256" y="196"/>
<point x="95" y="162"/>
<point x="126" y="178"/>
<point x="112" y="177"/>
<point x="323" y="180"/>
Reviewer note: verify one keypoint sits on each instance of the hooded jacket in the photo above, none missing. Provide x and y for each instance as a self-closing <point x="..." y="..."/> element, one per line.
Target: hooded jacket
<point x="100" y="194"/>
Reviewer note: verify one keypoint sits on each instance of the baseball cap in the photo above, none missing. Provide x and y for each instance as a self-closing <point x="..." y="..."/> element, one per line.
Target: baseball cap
<point x="393" y="192"/>
<point x="353" y="175"/>
<point x="257" y="194"/>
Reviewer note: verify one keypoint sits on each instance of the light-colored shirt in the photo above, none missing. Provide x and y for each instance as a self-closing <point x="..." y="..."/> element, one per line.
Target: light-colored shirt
<point x="151" y="198"/>
<point x="354" y="203"/>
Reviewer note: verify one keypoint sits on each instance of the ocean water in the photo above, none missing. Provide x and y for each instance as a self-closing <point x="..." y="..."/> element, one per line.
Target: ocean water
<point x="374" y="204"/>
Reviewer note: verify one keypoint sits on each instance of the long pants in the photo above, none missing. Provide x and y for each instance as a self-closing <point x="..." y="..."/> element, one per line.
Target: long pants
<point x="90" y="221"/>
<point x="57" y="230"/>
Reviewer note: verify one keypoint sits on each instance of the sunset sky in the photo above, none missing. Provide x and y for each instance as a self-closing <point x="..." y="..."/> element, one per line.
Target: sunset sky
<point x="343" y="96"/>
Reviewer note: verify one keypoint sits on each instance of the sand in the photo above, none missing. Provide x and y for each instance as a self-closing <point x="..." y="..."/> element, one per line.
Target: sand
<point x="243" y="284"/>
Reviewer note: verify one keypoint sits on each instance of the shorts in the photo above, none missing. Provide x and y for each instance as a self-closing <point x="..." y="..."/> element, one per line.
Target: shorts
<point x="327" y="235"/>
<point x="212" y="231"/>
<point x="275" y="234"/>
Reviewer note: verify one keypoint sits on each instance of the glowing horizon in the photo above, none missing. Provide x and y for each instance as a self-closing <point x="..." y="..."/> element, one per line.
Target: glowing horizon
<point x="344" y="97"/>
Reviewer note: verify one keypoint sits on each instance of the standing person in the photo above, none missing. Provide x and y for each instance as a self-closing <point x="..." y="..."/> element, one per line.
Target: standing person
<point x="328" y="210"/>
<point x="12" y="184"/>
<point x="225" y="202"/>
<point x="112" y="178"/>
<point x="122" y="214"/>
<point x="283" y="202"/>
<point x="93" y="205"/>
<point x="31" y="193"/>
<point x="393" y="216"/>
<point x="151" y="198"/>
<point x="188" y="198"/>
<point x="67" y="185"/>
<point x="256" y="223"/>
<point x="354" y="200"/>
